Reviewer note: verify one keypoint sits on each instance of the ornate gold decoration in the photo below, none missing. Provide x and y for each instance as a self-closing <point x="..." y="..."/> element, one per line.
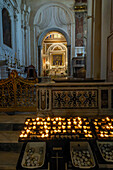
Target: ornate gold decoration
<point x="17" y="94"/>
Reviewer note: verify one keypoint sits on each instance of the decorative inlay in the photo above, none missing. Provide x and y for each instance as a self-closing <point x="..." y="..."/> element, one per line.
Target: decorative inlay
<point x="74" y="99"/>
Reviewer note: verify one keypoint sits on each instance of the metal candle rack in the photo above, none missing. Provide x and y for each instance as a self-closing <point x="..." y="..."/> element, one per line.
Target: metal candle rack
<point x="56" y="128"/>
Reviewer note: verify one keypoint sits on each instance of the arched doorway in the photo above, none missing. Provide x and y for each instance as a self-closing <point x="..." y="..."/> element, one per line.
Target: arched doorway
<point x="62" y="44"/>
<point x="54" y="55"/>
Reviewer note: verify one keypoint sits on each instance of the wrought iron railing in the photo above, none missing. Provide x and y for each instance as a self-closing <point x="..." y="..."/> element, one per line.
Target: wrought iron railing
<point x="17" y="94"/>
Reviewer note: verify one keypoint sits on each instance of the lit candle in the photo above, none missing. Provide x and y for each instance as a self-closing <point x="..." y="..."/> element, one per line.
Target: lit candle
<point x="60" y="118"/>
<point x="69" y="123"/>
<point x="51" y="131"/>
<point x="37" y="119"/>
<point x="79" y="118"/>
<point x="64" y="131"/>
<point x="63" y="127"/>
<point x="48" y="119"/>
<point x="43" y="119"/>
<point x="101" y="135"/>
<point x="73" y="131"/>
<point x="21" y="136"/>
<point x="34" y="123"/>
<point x="80" y="122"/>
<point x="54" y="122"/>
<point x="75" y="122"/>
<point x="25" y="135"/>
<point x="26" y="123"/>
<point x="63" y="119"/>
<point x="84" y="127"/>
<point x="84" y="119"/>
<point x="107" y="118"/>
<point x="86" y="123"/>
<point x="38" y="123"/>
<point x="47" y="131"/>
<point x="33" y="119"/>
<point x="41" y="127"/>
<point x="95" y="123"/>
<point x="56" y="118"/>
<point x="28" y="120"/>
<point x="46" y="135"/>
<point x="41" y="123"/>
<point x="79" y="126"/>
<point x="59" y="123"/>
<point x="42" y="135"/>
<point x="69" y="127"/>
<point x="85" y="131"/>
<point x="64" y="123"/>
<point x="45" y="126"/>
<point x="59" y="131"/>
<point x="34" y="127"/>
<point x="55" y="131"/>
<point x="106" y="135"/>
<point x="27" y="130"/>
<point x="96" y="127"/>
<point x="107" y="127"/>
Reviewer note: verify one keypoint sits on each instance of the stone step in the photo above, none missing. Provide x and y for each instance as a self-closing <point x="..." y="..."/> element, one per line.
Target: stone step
<point x="8" y="160"/>
<point x="9" y="136"/>
<point x="11" y="147"/>
<point x="11" y="126"/>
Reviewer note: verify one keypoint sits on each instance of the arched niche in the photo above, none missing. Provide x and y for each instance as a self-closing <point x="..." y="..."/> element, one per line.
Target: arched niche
<point x="6" y="24"/>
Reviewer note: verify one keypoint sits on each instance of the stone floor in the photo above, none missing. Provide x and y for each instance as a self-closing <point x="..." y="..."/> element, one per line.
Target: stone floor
<point x="10" y="126"/>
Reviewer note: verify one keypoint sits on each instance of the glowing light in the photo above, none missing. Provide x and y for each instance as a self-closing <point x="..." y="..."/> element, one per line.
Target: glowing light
<point x="37" y="119"/>
<point x="48" y="119"/>
<point x="26" y="123"/>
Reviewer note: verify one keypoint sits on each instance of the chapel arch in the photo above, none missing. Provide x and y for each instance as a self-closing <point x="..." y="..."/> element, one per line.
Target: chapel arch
<point x="59" y="48"/>
<point x="54" y="55"/>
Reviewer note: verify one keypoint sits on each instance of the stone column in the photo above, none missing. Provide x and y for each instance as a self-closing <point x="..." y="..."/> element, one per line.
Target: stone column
<point x="1" y="25"/>
<point x="26" y="36"/>
<point x="39" y="60"/>
<point x="69" y="58"/>
<point x="23" y="33"/>
<point x="89" y="59"/>
<point x="97" y="40"/>
<point x="16" y="32"/>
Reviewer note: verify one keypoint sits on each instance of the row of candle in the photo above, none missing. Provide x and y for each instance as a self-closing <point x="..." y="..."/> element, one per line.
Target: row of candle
<point x="47" y="127"/>
<point x="104" y="127"/>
